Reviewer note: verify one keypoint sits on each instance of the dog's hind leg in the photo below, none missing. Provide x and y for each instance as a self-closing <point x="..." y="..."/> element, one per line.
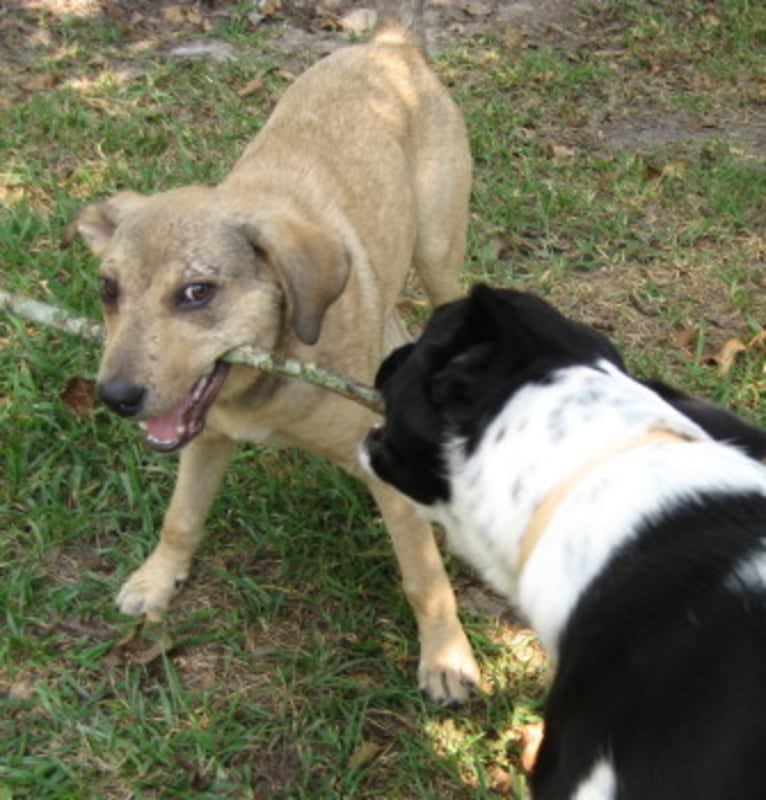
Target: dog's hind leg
<point x="202" y="465"/>
<point x="443" y="186"/>
<point x="447" y="670"/>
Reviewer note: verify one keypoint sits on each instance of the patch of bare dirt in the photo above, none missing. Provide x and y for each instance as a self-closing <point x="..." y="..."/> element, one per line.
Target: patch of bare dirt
<point x="637" y="132"/>
<point x="445" y="20"/>
<point x="319" y="25"/>
<point x="303" y="30"/>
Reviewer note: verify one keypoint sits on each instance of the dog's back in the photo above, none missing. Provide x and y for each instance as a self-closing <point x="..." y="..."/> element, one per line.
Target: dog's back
<point x="391" y="143"/>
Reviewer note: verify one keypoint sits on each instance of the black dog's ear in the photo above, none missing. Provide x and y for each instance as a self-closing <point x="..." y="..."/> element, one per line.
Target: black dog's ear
<point x="458" y="380"/>
<point x="479" y="335"/>
<point x="391" y="364"/>
<point x="535" y="330"/>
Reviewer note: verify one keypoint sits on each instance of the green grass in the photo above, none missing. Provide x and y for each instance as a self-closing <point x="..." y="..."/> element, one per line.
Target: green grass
<point x="292" y="672"/>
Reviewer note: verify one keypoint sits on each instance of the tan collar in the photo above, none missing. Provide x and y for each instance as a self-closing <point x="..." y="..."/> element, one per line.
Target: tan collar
<point x="543" y="513"/>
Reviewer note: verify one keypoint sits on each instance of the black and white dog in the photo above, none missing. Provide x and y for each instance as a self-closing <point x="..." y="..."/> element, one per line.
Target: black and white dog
<point x="606" y="510"/>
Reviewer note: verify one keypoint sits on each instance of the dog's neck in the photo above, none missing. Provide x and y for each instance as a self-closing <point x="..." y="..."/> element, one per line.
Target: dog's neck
<point x="545" y="511"/>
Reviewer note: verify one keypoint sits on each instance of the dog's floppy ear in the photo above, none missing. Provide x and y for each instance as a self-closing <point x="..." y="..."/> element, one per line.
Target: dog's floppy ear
<point x="312" y="266"/>
<point x="97" y="223"/>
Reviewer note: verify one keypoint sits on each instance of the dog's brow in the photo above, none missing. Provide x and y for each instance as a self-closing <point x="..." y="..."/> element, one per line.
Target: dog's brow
<point x="198" y="269"/>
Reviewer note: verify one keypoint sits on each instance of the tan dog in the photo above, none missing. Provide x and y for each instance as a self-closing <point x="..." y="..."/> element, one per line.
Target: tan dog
<point x="361" y="172"/>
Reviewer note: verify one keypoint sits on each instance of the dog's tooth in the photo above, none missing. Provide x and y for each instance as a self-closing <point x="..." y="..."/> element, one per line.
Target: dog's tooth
<point x="180" y="430"/>
<point x="198" y="389"/>
<point x="155" y="440"/>
<point x="142" y="425"/>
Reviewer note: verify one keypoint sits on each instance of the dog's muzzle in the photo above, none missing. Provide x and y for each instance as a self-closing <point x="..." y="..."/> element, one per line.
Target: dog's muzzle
<point x="181" y="423"/>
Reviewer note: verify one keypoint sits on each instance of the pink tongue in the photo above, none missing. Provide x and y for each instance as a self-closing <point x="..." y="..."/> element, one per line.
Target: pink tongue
<point x="165" y="427"/>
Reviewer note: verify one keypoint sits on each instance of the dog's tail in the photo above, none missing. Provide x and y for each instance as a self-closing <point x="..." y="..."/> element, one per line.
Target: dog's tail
<point x="400" y="20"/>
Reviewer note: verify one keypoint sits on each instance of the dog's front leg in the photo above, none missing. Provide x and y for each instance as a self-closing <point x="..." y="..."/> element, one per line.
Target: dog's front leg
<point x="201" y="466"/>
<point x="448" y="670"/>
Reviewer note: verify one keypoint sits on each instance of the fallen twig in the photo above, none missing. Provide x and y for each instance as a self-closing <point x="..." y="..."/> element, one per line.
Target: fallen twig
<point x="54" y="317"/>
<point x="50" y="316"/>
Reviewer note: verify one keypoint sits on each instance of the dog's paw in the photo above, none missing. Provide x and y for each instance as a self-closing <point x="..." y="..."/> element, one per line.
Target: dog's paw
<point x="151" y="587"/>
<point x="448" y="672"/>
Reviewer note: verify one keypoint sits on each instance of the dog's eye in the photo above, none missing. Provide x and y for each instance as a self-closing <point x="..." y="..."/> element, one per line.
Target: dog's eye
<point x="109" y="291"/>
<point x="195" y="295"/>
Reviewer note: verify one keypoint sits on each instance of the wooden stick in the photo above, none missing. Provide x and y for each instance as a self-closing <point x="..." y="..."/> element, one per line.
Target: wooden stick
<point x="54" y="317"/>
<point x="50" y="316"/>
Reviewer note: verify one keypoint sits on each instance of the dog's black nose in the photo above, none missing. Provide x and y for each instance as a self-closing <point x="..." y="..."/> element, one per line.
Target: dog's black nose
<point x="122" y="396"/>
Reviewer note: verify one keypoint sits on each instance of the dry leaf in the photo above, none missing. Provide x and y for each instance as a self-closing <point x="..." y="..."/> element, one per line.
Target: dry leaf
<point x="756" y="247"/>
<point x="640" y="306"/>
<point x="562" y="151"/>
<point x="326" y="19"/>
<point x="531" y="739"/>
<point x="686" y="339"/>
<point x="39" y="83"/>
<point x="251" y="87"/>
<point x="78" y="395"/>
<point x="11" y="194"/>
<point x="22" y="690"/>
<point x="502" y="780"/>
<point x="364" y="754"/>
<point x="268" y="8"/>
<point x="175" y="15"/>
<point x="149" y="654"/>
<point x="546" y="76"/>
<point x="674" y="169"/>
<point x="727" y="355"/>
<point x="476" y="8"/>
<point x="652" y="172"/>
<point x="144" y="643"/>
<point x="758" y="342"/>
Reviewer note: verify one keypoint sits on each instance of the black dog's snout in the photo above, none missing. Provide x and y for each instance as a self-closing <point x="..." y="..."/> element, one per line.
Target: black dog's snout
<point x="122" y="396"/>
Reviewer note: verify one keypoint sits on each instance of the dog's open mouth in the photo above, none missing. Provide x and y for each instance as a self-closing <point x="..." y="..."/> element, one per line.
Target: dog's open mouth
<point x="187" y="418"/>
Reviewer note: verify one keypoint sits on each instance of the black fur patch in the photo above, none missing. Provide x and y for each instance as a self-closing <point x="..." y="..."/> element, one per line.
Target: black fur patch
<point x="663" y="667"/>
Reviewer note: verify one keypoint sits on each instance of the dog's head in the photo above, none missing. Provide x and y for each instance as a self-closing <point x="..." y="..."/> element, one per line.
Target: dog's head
<point x="184" y="279"/>
<point x="472" y="356"/>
